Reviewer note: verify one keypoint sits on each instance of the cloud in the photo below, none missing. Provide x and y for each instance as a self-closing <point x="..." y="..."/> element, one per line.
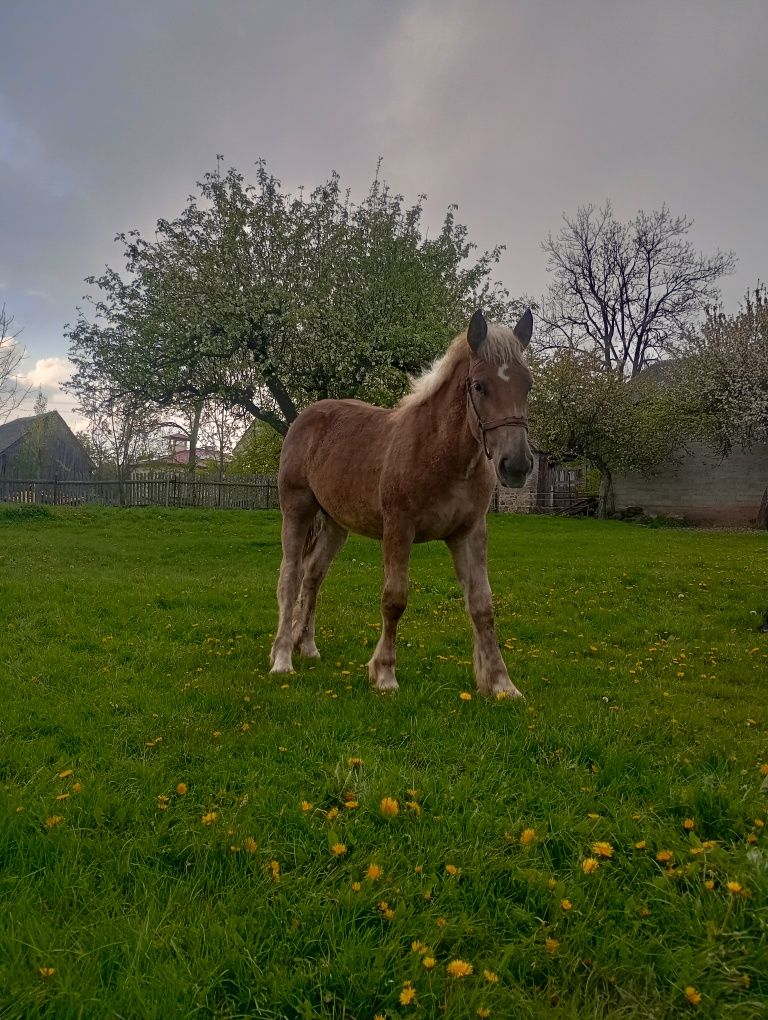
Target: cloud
<point x="47" y="374"/>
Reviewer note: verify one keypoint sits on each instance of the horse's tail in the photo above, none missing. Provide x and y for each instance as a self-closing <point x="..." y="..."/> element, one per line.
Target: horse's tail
<point x="315" y="530"/>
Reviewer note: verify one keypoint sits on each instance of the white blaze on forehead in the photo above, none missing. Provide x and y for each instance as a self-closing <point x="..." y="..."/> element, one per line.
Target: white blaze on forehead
<point x="503" y="372"/>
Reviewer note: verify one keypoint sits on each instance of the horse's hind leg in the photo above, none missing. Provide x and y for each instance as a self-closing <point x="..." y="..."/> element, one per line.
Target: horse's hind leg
<point x="323" y="543"/>
<point x="297" y="520"/>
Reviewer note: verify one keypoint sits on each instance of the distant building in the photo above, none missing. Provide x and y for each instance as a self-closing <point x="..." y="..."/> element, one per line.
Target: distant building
<point x="178" y="455"/>
<point x="42" y="447"/>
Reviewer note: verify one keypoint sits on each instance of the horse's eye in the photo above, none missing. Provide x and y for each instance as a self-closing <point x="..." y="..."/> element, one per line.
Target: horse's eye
<point x="478" y="387"/>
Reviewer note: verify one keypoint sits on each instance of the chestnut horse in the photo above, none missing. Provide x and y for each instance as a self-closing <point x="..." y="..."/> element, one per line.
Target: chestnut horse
<point x="423" y="470"/>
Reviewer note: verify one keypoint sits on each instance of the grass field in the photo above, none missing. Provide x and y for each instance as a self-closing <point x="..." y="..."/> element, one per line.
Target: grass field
<point x="183" y="835"/>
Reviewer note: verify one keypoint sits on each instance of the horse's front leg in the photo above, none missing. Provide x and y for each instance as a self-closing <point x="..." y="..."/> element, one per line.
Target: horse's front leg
<point x="296" y="524"/>
<point x="470" y="560"/>
<point x="396" y="550"/>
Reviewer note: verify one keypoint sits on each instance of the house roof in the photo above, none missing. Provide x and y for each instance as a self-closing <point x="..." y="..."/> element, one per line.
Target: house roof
<point x="12" y="431"/>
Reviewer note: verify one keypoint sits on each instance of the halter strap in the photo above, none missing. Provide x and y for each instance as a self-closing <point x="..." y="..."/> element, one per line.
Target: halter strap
<point x="495" y="423"/>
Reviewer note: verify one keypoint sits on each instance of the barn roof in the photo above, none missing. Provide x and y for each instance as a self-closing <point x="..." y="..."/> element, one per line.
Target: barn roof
<point x="12" y="431"/>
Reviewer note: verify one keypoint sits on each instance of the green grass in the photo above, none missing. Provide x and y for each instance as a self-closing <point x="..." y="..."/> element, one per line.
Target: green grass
<point x="133" y="652"/>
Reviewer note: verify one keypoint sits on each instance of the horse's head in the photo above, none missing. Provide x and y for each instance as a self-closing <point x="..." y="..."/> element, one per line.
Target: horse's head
<point x="498" y="385"/>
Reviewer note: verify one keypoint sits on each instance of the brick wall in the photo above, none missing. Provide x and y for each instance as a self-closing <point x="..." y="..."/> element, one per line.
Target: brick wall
<point x="703" y="488"/>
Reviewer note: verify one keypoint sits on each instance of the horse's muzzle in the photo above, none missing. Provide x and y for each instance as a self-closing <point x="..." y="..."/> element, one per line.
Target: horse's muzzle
<point x="510" y="474"/>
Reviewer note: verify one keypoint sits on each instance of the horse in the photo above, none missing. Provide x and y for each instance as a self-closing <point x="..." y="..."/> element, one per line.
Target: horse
<point x="421" y="471"/>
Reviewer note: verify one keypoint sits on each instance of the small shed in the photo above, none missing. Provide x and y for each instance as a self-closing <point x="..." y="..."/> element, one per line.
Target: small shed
<point x="42" y="446"/>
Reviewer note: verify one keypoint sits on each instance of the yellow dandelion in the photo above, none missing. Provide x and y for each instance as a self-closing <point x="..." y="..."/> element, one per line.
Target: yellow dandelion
<point x="339" y="849"/>
<point x="589" y="865"/>
<point x="459" y="969"/>
<point x="63" y="796"/>
<point x="274" y="867"/>
<point x="551" y="883"/>
<point x="210" y="818"/>
<point x="759" y="823"/>
<point x="306" y="805"/>
<point x="592" y="816"/>
<point x="389" y="807"/>
<point x="418" y="869"/>
<point x="356" y="887"/>
<point x="528" y="836"/>
<point x="465" y="696"/>
<point x="418" y="947"/>
<point x="46" y="972"/>
<point x="351" y="804"/>
<point x="689" y="823"/>
<point x="640" y="845"/>
<point x="20" y="810"/>
<point x="408" y="994"/>
<point x="66" y="773"/>
<point x="441" y="922"/>
<point x="552" y="945"/>
<point x="566" y="904"/>
<point x="216" y="733"/>
<point x="181" y="789"/>
<point x="451" y="870"/>
<point x="692" y="995"/>
<point x="645" y="911"/>
<point x="491" y="977"/>
<point x="77" y="787"/>
<point x="53" y="821"/>
<point x="331" y="814"/>
<point x="709" y="885"/>
<point x="251" y="845"/>
<point x="482" y="1011"/>
<point x="374" y="872"/>
<point x="354" y="762"/>
<point x="428" y="962"/>
<point x="602" y="849"/>
<point x="414" y="806"/>
<point x="764" y="769"/>
<point x="734" y="887"/>
<point x="663" y="856"/>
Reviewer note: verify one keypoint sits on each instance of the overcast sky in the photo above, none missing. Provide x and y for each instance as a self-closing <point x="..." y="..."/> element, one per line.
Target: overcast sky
<point x="517" y="110"/>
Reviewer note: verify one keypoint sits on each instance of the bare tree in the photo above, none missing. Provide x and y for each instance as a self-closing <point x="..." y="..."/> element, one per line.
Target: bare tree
<point x="11" y="356"/>
<point x="628" y="291"/>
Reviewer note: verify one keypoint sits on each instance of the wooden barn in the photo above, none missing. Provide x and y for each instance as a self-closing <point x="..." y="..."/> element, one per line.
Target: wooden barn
<point x="42" y="447"/>
<point x="703" y="488"/>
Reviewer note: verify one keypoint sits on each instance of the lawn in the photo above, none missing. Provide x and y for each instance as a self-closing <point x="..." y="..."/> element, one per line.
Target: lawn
<point x="183" y="835"/>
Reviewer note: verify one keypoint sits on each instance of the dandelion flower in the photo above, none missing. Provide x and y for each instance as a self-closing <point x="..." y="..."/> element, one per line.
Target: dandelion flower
<point x="764" y="769"/>
<point x="692" y="995"/>
<point x="181" y="789"/>
<point x="709" y="885"/>
<point x="251" y="845"/>
<point x="306" y="805"/>
<point x="331" y="814"/>
<point x="374" y="872"/>
<point x="566" y="904"/>
<point x="483" y="1011"/>
<point x="408" y="994"/>
<point x="589" y="865"/>
<point x="54" y="820"/>
<point x="209" y="818"/>
<point x="389" y="807"/>
<point x="602" y="849"/>
<point x="441" y="922"/>
<point x="688" y="824"/>
<point x="274" y="867"/>
<point x="351" y="804"/>
<point x="413" y="805"/>
<point x="428" y="962"/>
<point x="451" y="870"/>
<point x="528" y="836"/>
<point x="63" y="796"/>
<point x="418" y="947"/>
<point x="77" y="787"/>
<point x="640" y="845"/>
<point x="491" y="977"/>
<point x="339" y="849"/>
<point x="65" y="774"/>
<point x="354" y="762"/>
<point x="46" y="972"/>
<point x="459" y="969"/>
<point x="465" y="696"/>
<point x="733" y="887"/>
<point x="663" y="856"/>
<point x="356" y="887"/>
<point x="552" y="945"/>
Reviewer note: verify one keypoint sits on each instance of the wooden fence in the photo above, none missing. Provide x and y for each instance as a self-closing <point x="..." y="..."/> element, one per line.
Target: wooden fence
<point x="150" y="489"/>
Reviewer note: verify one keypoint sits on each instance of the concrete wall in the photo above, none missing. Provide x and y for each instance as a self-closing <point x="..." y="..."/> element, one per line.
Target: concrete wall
<point x="703" y="488"/>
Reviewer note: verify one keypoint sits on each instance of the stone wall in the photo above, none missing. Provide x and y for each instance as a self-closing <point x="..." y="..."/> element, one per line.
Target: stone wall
<point x="704" y="488"/>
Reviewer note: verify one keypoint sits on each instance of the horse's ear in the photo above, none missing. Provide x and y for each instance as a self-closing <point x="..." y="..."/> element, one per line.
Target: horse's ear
<point x="524" y="328"/>
<point x="477" y="331"/>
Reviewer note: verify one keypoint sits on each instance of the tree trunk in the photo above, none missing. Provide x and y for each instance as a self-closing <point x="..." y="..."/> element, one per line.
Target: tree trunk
<point x="194" y="432"/>
<point x="606" y="503"/>
<point x="762" y="513"/>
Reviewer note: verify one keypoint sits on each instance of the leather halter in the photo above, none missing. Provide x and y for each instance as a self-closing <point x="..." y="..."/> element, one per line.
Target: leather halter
<point x="495" y="423"/>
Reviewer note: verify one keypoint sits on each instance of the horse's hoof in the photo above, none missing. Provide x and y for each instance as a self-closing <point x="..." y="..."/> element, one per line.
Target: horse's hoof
<point x="282" y="664"/>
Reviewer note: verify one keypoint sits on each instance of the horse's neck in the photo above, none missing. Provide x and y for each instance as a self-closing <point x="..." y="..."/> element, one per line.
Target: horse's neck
<point x="446" y="411"/>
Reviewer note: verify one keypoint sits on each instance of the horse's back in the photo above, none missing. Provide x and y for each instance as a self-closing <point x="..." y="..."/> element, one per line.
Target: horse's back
<point x="336" y="449"/>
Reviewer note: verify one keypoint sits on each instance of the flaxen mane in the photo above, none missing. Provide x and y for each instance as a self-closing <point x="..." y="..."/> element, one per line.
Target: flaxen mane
<point x="500" y="346"/>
